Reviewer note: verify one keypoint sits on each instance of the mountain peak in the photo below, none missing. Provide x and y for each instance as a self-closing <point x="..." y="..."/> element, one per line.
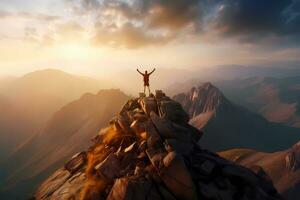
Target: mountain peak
<point x="201" y="99"/>
<point x="149" y="151"/>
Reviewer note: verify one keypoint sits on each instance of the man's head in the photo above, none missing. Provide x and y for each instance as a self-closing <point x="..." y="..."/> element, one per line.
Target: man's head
<point x="146" y="72"/>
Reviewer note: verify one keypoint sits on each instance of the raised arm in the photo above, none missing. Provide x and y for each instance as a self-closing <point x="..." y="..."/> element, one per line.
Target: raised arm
<point x="139" y="71"/>
<point x="152" y="71"/>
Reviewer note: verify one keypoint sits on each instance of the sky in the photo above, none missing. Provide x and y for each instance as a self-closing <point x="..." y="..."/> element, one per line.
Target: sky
<point x="93" y="37"/>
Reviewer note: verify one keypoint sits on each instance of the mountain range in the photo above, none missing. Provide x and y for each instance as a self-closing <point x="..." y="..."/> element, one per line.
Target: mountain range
<point x="227" y="125"/>
<point x="68" y="131"/>
<point x="29" y="101"/>
<point x="277" y="99"/>
<point x="50" y="115"/>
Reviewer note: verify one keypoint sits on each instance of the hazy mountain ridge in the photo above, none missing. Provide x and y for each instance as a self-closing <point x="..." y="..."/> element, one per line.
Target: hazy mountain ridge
<point x="67" y="132"/>
<point x="277" y="99"/>
<point x="30" y="100"/>
<point x="227" y="125"/>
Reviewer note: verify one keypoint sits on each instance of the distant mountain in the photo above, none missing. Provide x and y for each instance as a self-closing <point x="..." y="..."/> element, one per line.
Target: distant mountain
<point x="283" y="167"/>
<point x="15" y="126"/>
<point x="277" y="99"/>
<point x="29" y="101"/>
<point x="227" y="125"/>
<point x="67" y="132"/>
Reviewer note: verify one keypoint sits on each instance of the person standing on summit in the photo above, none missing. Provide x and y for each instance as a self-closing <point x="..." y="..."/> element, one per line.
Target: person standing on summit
<point x="146" y="76"/>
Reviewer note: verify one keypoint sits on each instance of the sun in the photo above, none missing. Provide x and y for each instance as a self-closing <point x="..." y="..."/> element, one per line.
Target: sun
<point x="73" y="51"/>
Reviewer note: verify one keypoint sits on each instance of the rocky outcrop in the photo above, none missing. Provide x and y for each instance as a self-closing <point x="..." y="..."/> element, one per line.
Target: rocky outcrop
<point x="149" y="151"/>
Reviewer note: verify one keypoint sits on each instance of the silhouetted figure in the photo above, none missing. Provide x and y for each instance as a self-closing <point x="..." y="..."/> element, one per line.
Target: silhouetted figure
<point x="146" y="79"/>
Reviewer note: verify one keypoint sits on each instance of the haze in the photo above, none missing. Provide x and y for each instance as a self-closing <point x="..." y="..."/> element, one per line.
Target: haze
<point x="100" y="37"/>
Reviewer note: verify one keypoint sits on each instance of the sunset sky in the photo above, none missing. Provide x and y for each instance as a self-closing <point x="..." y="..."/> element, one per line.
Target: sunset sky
<point x="92" y="36"/>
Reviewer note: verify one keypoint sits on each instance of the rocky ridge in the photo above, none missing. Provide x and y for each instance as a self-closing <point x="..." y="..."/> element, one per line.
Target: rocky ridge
<point x="149" y="151"/>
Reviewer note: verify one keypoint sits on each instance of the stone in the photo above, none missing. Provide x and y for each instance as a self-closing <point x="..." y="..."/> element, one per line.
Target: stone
<point x="71" y="188"/>
<point x="173" y="111"/>
<point x="207" y="167"/>
<point x="208" y="191"/>
<point x="52" y="184"/>
<point x="138" y="127"/>
<point x="131" y="189"/>
<point x="149" y="105"/>
<point x="156" y="157"/>
<point x="181" y="147"/>
<point x="109" y="168"/>
<point x="196" y="134"/>
<point x="131" y="147"/>
<point x="243" y="173"/>
<point x="167" y="129"/>
<point x="177" y="178"/>
<point x="153" y="137"/>
<point x="77" y="162"/>
<point x="123" y="124"/>
<point x="159" y="94"/>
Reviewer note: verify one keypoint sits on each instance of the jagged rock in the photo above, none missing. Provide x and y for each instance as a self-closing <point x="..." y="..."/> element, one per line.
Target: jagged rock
<point x="130" y="189"/>
<point x="168" y="129"/>
<point x="181" y="147"/>
<point x="149" y="105"/>
<point x="173" y="111"/>
<point x="177" y="177"/>
<point x="137" y="127"/>
<point x="149" y="151"/>
<point x="159" y="94"/>
<point x="76" y="163"/>
<point x="240" y="172"/>
<point x="109" y="168"/>
<point x="207" y="167"/>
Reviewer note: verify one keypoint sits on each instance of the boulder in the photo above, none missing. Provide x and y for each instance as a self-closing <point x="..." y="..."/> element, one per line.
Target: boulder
<point x="138" y="127"/>
<point x="180" y="147"/>
<point x="168" y="129"/>
<point x="134" y="189"/>
<point x="77" y="162"/>
<point x="177" y="178"/>
<point x="173" y="111"/>
<point x="109" y="168"/>
<point x="149" y="105"/>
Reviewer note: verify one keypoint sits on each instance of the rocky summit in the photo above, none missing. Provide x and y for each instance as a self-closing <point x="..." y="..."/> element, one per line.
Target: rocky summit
<point x="149" y="151"/>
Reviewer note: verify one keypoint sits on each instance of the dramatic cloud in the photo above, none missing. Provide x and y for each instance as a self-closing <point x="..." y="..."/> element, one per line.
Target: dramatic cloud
<point x="138" y="23"/>
<point x="152" y="21"/>
<point x="252" y="19"/>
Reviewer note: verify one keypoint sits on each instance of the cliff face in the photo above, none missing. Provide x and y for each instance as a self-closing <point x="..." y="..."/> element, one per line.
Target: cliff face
<point x="149" y="151"/>
<point x="227" y="125"/>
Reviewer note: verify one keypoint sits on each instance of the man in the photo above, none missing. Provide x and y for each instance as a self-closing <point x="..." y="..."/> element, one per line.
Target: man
<point x="146" y="79"/>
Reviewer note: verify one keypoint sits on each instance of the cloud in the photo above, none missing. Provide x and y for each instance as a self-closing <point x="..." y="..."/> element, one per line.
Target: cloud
<point x="128" y="36"/>
<point x="38" y="16"/>
<point x="29" y="15"/>
<point x="138" y="23"/>
<point x="256" y="19"/>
